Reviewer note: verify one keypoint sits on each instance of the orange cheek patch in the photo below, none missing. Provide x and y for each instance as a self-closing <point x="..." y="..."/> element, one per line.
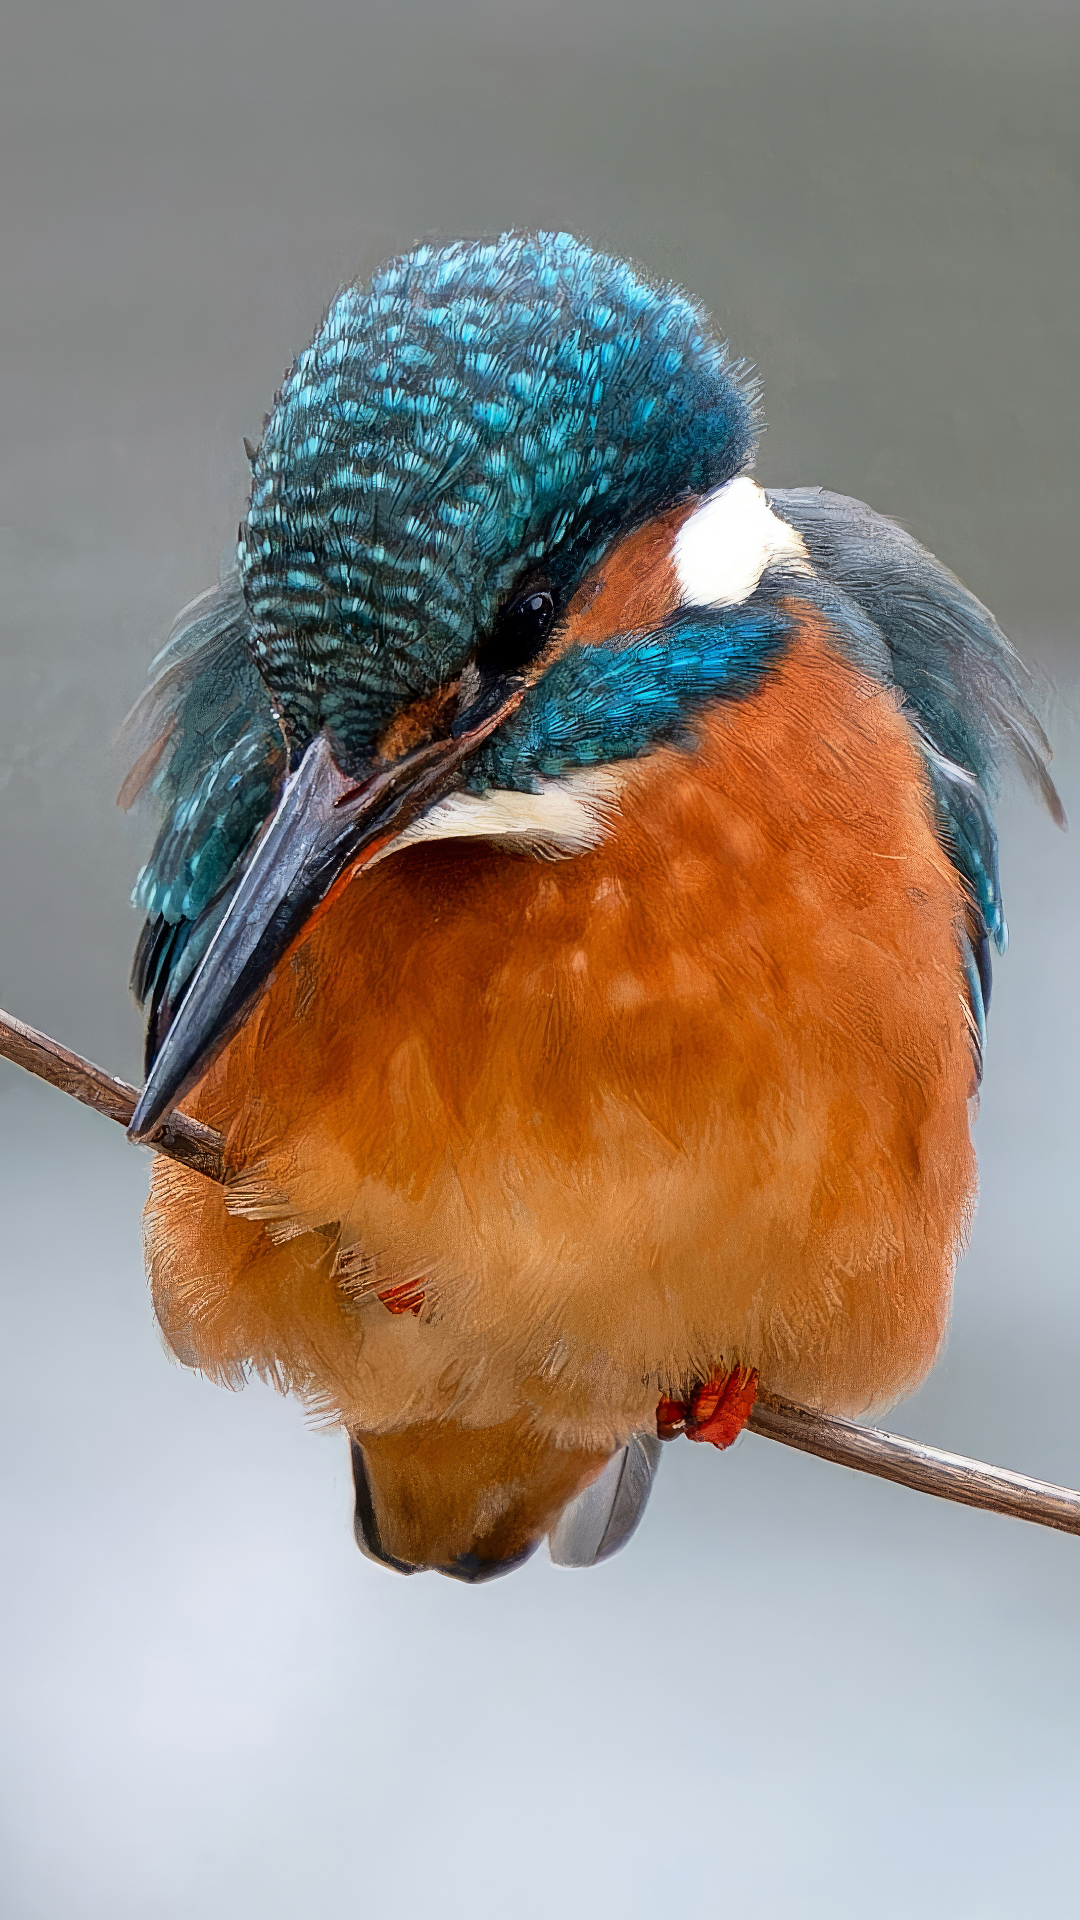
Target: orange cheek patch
<point x="634" y="588"/>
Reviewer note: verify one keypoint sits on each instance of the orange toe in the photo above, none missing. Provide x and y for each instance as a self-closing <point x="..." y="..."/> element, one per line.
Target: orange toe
<point x="721" y="1407"/>
<point x="407" y="1297"/>
<point x="717" y="1410"/>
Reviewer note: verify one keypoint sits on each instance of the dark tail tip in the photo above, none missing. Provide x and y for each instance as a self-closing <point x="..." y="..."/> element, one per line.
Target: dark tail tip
<point x="365" y="1524"/>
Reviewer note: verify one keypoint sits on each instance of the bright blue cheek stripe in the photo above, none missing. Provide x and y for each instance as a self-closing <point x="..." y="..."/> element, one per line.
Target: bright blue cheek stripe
<point x="614" y="702"/>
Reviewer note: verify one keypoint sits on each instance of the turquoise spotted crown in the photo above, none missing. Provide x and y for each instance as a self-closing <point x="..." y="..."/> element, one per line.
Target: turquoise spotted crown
<point x="479" y="413"/>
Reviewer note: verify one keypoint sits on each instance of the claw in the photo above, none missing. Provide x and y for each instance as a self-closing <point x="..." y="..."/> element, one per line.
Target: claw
<point x="717" y="1410"/>
<point x="671" y="1418"/>
<point x="721" y="1408"/>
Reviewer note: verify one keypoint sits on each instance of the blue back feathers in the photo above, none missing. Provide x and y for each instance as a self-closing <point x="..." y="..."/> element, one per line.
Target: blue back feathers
<point x="478" y="413"/>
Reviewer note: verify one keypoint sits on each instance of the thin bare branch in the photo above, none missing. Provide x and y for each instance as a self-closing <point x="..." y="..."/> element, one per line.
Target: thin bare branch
<point x="949" y="1476"/>
<point x="180" y="1138"/>
<point x="890" y="1456"/>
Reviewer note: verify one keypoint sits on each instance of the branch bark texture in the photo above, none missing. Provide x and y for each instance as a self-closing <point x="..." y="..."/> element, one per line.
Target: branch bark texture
<point x="949" y="1476"/>
<point x="180" y="1138"/>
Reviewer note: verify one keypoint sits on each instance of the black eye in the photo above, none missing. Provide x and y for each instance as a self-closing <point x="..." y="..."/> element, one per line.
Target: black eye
<point x="520" y="631"/>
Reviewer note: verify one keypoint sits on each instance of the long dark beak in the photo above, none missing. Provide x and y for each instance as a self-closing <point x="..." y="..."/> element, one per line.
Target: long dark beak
<point x="326" y="829"/>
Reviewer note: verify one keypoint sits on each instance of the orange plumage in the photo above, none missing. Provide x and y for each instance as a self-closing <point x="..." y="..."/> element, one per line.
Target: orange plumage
<point x="573" y="906"/>
<point x="697" y="1095"/>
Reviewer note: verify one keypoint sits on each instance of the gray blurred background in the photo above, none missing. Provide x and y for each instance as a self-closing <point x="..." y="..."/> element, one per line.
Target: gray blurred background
<point x="798" y="1691"/>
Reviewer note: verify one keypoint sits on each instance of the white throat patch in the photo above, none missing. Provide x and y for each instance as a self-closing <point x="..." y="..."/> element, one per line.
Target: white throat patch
<point x="563" y="817"/>
<point x="723" y="549"/>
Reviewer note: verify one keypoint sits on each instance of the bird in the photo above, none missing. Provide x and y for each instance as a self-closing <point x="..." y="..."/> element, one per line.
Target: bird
<point x="572" y="904"/>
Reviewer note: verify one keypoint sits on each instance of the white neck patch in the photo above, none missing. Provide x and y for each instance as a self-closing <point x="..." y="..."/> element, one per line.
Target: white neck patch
<point x="562" y="817"/>
<point x="722" y="550"/>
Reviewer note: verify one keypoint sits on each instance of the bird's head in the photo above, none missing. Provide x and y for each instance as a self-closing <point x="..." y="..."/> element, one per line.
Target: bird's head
<point x="445" y="468"/>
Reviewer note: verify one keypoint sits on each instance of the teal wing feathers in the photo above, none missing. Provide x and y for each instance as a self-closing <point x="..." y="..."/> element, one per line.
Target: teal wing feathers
<point x="213" y="764"/>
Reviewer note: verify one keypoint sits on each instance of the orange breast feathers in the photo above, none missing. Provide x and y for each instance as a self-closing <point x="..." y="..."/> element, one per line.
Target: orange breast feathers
<point x="696" y="1096"/>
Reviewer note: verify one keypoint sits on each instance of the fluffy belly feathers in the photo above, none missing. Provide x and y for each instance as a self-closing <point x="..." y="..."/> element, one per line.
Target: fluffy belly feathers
<point x="697" y="1095"/>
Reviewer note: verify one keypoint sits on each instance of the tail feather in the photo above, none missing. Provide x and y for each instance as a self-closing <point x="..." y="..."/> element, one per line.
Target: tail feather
<point x="601" y="1519"/>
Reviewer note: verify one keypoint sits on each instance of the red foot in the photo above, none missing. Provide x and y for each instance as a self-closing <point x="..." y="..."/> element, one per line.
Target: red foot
<point x="407" y="1297"/>
<point x="671" y="1418"/>
<point x="721" y="1408"/>
<point x="717" y="1410"/>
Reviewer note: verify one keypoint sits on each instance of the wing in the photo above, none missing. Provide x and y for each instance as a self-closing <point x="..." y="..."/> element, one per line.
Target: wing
<point x="912" y="622"/>
<point x="212" y="758"/>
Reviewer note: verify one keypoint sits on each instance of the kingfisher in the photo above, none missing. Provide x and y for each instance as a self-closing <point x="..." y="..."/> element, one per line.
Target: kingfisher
<point x="572" y="905"/>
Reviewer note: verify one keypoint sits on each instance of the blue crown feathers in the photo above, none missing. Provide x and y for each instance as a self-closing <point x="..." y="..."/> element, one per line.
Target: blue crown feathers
<point x="477" y="408"/>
